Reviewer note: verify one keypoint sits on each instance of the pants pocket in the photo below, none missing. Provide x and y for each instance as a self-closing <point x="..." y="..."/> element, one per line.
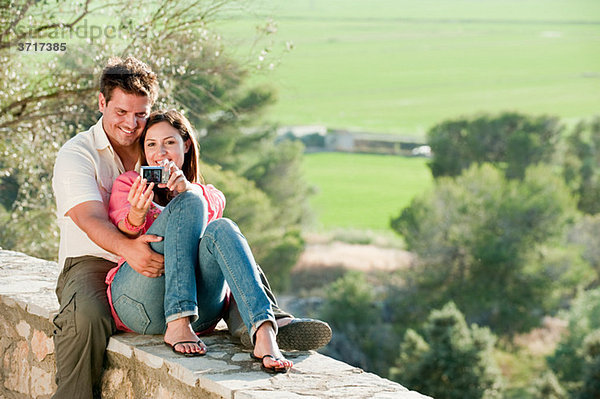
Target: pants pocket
<point x="132" y="313"/>
<point x="64" y="321"/>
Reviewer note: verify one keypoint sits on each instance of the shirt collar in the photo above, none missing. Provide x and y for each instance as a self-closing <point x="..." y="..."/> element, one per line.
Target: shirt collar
<point x="100" y="138"/>
<point x="101" y="142"/>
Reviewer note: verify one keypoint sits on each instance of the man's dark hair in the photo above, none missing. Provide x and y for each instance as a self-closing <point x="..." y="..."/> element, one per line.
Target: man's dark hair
<point x="130" y="75"/>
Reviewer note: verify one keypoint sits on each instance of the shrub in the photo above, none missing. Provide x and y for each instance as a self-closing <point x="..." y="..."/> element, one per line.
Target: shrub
<point x="450" y="359"/>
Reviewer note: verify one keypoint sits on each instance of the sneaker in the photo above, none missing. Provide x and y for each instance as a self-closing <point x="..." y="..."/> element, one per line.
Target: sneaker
<point x="299" y="334"/>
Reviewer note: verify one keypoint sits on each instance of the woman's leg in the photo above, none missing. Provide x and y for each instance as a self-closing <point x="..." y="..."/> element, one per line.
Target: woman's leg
<point x="181" y="224"/>
<point x="145" y="304"/>
<point x="225" y="256"/>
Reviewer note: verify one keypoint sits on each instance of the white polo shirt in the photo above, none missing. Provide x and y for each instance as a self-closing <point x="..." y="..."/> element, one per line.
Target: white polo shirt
<point x="85" y="169"/>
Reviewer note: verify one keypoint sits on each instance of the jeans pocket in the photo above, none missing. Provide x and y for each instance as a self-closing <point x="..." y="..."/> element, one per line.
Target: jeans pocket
<point x="64" y="321"/>
<point x="132" y="313"/>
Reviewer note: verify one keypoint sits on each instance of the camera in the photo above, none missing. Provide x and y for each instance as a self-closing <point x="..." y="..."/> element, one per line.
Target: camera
<point x="155" y="174"/>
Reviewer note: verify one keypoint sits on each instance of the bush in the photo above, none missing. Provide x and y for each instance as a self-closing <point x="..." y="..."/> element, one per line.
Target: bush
<point x="569" y="361"/>
<point x="360" y="338"/>
<point x="450" y="359"/>
<point x="547" y="387"/>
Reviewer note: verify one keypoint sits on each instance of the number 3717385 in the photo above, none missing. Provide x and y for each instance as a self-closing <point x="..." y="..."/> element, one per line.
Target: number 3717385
<point x="41" y="46"/>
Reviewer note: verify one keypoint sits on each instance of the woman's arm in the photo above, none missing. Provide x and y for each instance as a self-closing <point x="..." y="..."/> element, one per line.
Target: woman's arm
<point x="129" y="203"/>
<point x="140" y="199"/>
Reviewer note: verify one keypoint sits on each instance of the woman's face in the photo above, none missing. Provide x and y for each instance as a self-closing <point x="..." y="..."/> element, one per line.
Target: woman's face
<point x="162" y="142"/>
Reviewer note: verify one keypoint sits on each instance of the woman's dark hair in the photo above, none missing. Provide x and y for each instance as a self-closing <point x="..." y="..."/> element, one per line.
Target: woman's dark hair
<point x="176" y="119"/>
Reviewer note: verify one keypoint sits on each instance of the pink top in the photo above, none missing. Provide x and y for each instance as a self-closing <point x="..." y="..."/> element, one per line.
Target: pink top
<point x="118" y="209"/>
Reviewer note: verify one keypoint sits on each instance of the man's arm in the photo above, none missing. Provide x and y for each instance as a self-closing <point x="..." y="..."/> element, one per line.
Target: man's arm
<point x="91" y="217"/>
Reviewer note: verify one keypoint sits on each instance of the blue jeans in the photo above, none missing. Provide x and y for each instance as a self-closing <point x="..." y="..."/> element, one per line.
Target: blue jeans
<point x="199" y="266"/>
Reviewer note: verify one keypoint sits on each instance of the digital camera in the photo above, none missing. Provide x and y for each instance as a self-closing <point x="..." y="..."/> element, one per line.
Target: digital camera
<point x="155" y="174"/>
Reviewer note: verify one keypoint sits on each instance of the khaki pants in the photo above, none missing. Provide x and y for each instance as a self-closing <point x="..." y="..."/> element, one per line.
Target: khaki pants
<point x="84" y="325"/>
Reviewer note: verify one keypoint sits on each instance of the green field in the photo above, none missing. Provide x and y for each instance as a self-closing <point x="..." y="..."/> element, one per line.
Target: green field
<point x="400" y="66"/>
<point x="363" y="191"/>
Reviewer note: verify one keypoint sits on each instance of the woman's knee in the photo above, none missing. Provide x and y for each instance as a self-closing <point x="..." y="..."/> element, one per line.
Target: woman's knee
<point x="222" y="226"/>
<point x="189" y="199"/>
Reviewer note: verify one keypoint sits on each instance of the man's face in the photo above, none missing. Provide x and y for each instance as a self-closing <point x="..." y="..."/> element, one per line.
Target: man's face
<point x="124" y="117"/>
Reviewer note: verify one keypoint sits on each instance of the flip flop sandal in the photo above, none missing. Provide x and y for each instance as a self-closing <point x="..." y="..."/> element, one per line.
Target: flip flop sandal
<point x="186" y="354"/>
<point x="272" y="370"/>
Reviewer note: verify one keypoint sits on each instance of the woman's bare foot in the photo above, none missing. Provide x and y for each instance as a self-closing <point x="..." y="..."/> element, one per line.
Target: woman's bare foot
<point x="180" y="330"/>
<point x="265" y="348"/>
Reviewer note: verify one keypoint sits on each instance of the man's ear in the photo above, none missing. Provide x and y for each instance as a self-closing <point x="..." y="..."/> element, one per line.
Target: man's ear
<point x="101" y="102"/>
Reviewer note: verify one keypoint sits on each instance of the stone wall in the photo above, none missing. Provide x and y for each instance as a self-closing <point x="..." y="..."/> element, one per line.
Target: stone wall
<point x="141" y="366"/>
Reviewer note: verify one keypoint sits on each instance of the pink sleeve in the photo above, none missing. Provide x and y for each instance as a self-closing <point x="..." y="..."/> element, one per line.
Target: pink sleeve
<point x="216" y="201"/>
<point x="118" y="205"/>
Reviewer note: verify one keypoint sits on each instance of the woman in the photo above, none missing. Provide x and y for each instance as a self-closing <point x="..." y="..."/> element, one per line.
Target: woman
<point x="200" y="274"/>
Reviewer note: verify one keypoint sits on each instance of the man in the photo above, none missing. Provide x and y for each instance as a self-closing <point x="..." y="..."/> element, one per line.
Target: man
<point x="85" y="169"/>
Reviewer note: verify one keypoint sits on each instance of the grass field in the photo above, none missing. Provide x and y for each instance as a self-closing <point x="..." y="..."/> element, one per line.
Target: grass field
<point x="400" y="66"/>
<point x="363" y="191"/>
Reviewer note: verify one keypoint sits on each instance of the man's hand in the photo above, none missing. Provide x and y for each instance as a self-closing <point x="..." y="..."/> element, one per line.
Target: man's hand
<point x="92" y="218"/>
<point x="142" y="258"/>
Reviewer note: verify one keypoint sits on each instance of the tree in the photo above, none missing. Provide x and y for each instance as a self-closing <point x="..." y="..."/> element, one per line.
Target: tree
<point x="450" y="359"/>
<point x="362" y="338"/>
<point x="45" y="98"/>
<point x="493" y="246"/>
<point x="509" y="141"/>
<point x="548" y="387"/>
<point x="581" y="160"/>
<point x="591" y="376"/>
<point x="571" y="361"/>
<point x="585" y="234"/>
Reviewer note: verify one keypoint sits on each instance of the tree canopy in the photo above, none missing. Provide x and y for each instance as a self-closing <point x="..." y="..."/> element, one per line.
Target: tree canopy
<point x="47" y="97"/>
<point x="486" y="242"/>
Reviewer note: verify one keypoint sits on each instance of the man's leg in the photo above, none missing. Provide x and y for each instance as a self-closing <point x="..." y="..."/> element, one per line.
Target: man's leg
<point x="294" y="334"/>
<point x="82" y="327"/>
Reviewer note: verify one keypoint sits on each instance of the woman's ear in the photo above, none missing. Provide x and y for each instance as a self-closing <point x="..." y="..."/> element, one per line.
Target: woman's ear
<point x="187" y="144"/>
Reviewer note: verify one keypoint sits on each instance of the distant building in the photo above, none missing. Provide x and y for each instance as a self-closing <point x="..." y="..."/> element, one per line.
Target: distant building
<point x="318" y="138"/>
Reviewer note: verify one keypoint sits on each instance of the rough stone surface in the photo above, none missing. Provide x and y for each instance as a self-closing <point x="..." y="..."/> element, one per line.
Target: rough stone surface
<point x="23" y="329"/>
<point x="141" y="366"/>
<point x="41" y="345"/>
<point x="41" y="382"/>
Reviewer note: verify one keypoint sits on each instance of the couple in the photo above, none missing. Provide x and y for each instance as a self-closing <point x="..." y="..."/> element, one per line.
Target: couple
<point x="166" y="281"/>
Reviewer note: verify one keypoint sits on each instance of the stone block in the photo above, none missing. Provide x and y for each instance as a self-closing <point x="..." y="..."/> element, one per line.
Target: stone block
<point x="42" y="382"/>
<point x="16" y="363"/>
<point x="23" y="329"/>
<point x="41" y="345"/>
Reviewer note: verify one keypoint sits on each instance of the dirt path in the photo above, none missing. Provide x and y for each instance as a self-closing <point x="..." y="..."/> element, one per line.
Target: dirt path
<point x="353" y="257"/>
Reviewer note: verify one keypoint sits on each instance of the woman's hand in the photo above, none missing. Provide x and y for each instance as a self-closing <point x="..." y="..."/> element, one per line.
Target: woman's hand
<point x="140" y="198"/>
<point x="177" y="180"/>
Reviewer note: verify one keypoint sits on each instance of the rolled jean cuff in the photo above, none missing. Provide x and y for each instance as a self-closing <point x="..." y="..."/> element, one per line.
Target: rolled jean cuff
<point x="185" y="313"/>
<point x="259" y="323"/>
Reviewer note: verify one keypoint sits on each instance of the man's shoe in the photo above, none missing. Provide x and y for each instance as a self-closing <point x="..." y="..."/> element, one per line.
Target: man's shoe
<point x="299" y="334"/>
